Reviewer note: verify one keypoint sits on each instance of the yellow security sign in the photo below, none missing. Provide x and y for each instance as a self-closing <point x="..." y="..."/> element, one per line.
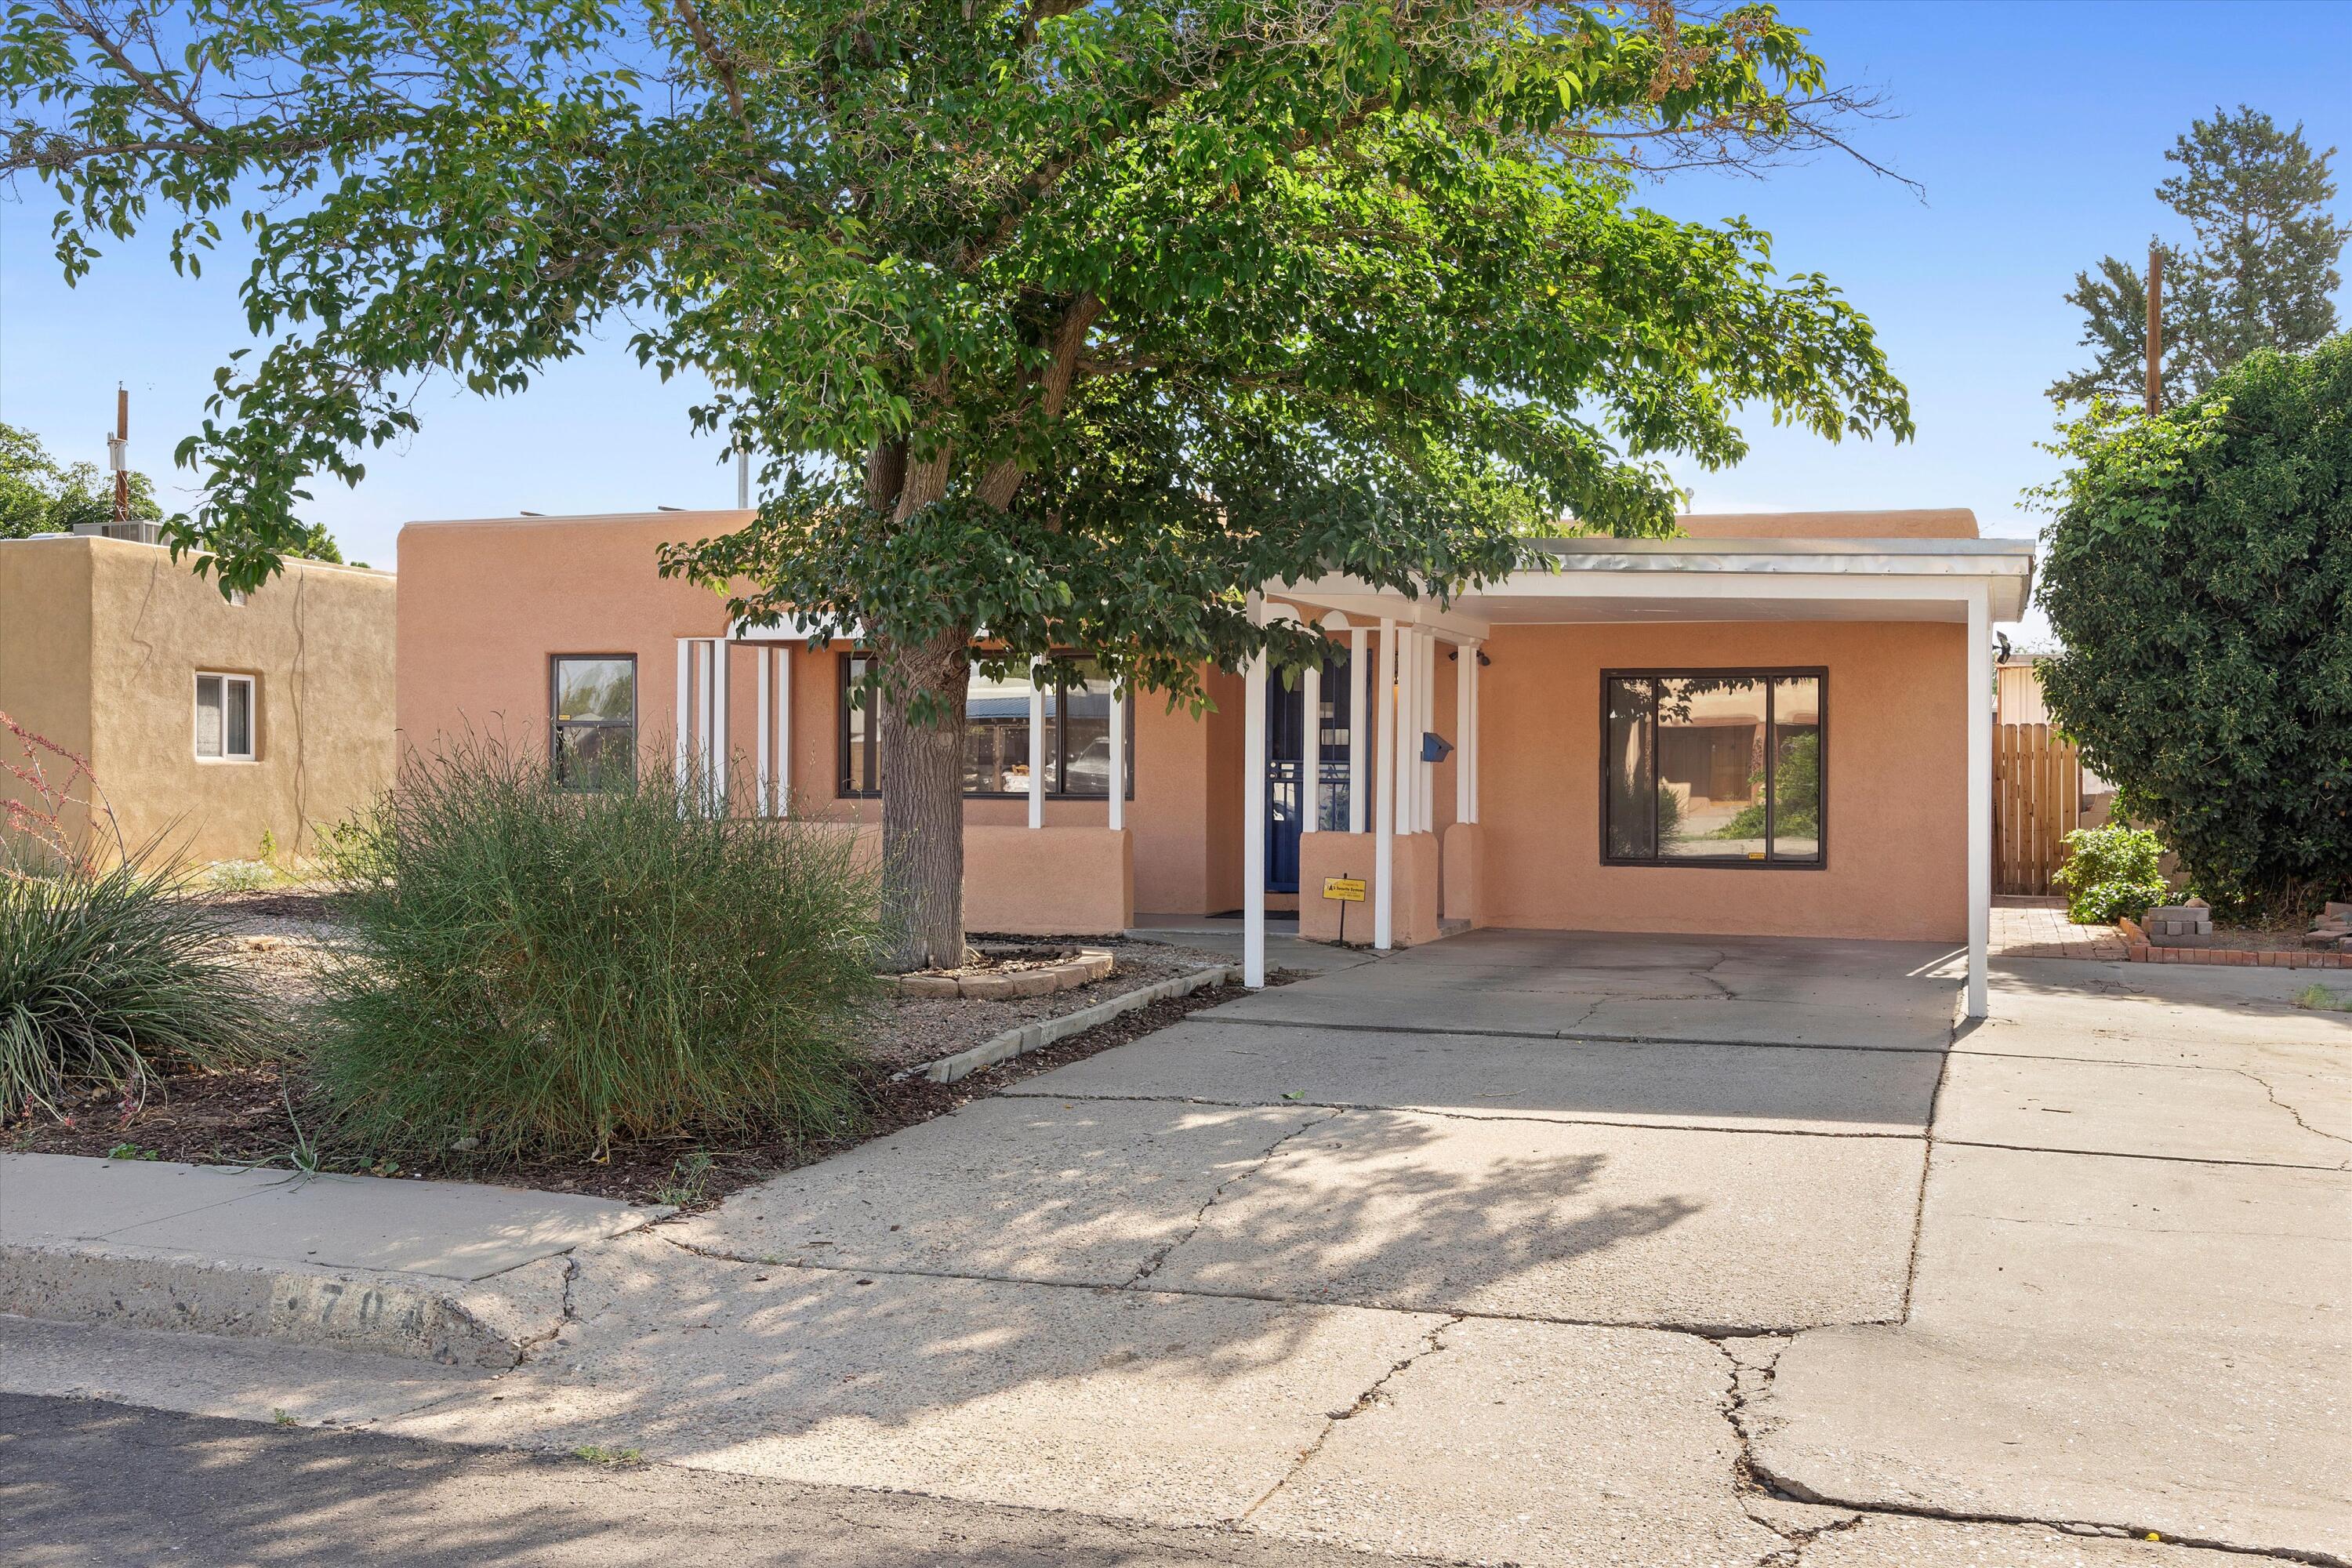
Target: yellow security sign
<point x="1350" y="888"/>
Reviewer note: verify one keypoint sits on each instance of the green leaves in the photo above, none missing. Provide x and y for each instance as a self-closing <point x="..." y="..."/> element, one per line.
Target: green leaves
<point x="2199" y="569"/>
<point x="1072" y="322"/>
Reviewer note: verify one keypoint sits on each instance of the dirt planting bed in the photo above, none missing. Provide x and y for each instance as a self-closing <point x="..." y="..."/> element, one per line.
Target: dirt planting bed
<point x="264" y="1116"/>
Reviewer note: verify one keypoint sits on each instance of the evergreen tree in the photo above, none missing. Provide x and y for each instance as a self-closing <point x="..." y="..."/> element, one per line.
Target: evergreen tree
<point x="2263" y="263"/>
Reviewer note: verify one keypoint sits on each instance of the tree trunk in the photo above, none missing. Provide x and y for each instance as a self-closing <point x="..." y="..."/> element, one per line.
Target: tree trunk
<point x="922" y="802"/>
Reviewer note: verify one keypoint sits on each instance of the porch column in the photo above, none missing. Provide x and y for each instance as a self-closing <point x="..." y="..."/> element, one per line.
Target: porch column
<point x="685" y="719"/>
<point x="1426" y="798"/>
<point x="702" y="727"/>
<point x="1310" y="750"/>
<point x="1359" y="725"/>
<point x="1036" y="742"/>
<point x="721" y="737"/>
<point x="1466" y="725"/>
<point x="1406" y="663"/>
<point x="1383" y="738"/>
<point x="1118" y="757"/>
<point x="1979" y="700"/>
<point x="780" y="785"/>
<point x="761" y="779"/>
<point x="1254" y="787"/>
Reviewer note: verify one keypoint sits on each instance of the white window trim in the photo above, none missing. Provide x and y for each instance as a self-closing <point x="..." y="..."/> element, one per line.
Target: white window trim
<point x="252" y="716"/>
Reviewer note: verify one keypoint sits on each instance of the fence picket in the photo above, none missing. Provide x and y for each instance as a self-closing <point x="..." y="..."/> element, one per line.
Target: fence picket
<point x="2037" y="798"/>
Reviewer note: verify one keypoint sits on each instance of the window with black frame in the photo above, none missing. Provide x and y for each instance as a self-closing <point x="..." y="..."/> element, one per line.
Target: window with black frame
<point x="593" y="742"/>
<point x="996" y="733"/>
<point x="1713" y="767"/>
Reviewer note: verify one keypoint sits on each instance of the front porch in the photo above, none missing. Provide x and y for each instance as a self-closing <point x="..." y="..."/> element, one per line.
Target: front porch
<point x="1604" y="742"/>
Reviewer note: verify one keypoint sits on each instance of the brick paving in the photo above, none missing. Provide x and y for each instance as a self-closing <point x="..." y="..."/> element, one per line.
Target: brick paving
<point x="2038" y="928"/>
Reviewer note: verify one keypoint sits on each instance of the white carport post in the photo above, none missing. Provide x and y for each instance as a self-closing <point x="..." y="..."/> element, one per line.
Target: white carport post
<point x="1424" y="803"/>
<point x="1036" y="742"/>
<point x="1980" y="699"/>
<point x="1118" y="757"/>
<point x="1465" y="733"/>
<point x="1311" y="749"/>
<point x="1359" y="725"/>
<point x="1404" y="668"/>
<point x="1382" y="737"/>
<point x="1253" y="787"/>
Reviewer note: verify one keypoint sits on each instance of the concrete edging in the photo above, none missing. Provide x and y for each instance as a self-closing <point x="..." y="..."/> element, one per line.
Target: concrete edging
<point x="1046" y="1031"/>
<point x="421" y="1318"/>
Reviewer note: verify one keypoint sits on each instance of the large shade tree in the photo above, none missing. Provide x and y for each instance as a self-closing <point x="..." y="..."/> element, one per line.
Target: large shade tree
<point x="1055" y="325"/>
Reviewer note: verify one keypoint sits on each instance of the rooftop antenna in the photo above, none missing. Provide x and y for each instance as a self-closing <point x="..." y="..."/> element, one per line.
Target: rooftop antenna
<point x="118" y="453"/>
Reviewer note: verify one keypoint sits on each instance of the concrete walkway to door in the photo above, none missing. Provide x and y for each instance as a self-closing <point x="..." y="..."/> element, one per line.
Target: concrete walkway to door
<point x="1546" y="1248"/>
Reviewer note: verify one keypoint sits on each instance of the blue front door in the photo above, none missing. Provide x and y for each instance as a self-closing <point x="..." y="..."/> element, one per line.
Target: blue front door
<point x="1285" y="751"/>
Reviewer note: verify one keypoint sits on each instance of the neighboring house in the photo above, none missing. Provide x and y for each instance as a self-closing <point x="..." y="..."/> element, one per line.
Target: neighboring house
<point x="1627" y="699"/>
<point x="207" y="723"/>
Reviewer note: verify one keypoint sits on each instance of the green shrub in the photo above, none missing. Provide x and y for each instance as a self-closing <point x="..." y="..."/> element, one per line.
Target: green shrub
<point x="2111" y="873"/>
<point x="549" y="971"/>
<point x="2200" y="572"/>
<point x="110" y="977"/>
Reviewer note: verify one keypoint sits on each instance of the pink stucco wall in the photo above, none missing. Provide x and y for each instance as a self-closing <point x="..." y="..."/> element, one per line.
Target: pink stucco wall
<point x="484" y="605"/>
<point x="1894" y="782"/>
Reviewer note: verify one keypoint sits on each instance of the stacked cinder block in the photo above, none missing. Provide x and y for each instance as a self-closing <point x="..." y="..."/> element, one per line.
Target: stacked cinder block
<point x="2193" y="919"/>
<point x="2332" y="931"/>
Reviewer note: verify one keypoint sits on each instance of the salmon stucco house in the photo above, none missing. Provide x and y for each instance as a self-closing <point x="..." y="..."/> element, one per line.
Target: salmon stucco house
<point x="1775" y="724"/>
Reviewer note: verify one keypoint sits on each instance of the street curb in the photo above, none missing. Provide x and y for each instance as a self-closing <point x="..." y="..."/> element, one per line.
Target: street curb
<point x="1045" y="1032"/>
<point x="455" y="1323"/>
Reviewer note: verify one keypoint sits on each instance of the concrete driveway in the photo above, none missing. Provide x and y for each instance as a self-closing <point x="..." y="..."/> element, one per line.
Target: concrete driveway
<point x="1554" y="1249"/>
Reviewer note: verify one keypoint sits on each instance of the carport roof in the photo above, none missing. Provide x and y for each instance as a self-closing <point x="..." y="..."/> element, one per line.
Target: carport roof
<point x="1603" y="579"/>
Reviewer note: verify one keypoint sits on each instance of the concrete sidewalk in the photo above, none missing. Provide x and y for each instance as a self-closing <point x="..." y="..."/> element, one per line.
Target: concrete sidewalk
<point x="445" y="1271"/>
<point x="1539" y="1247"/>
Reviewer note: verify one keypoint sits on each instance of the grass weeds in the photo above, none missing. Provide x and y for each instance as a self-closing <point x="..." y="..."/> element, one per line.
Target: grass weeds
<point x="109" y="976"/>
<point x="545" y="971"/>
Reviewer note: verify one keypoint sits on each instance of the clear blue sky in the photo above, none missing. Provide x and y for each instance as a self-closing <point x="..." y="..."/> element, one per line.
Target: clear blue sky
<point x="2036" y="130"/>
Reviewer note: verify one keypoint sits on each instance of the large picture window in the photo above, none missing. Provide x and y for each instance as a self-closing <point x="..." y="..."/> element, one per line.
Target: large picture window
<point x="996" y="733"/>
<point x="593" y="741"/>
<point x="1713" y="767"/>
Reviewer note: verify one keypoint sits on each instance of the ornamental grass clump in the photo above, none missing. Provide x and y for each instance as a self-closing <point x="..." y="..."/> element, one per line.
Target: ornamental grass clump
<point x="537" y="971"/>
<point x="111" y="976"/>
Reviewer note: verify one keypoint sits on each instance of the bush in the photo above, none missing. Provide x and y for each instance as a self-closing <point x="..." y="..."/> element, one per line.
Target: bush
<point x="2111" y="873"/>
<point x="2200" y="571"/>
<point x="110" y="978"/>
<point x="547" y="971"/>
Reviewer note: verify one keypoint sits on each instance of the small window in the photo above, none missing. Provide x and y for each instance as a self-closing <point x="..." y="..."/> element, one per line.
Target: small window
<point x="1712" y="768"/>
<point x="996" y="733"/>
<point x="224" y="717"/>
<point x="593" y="739"/>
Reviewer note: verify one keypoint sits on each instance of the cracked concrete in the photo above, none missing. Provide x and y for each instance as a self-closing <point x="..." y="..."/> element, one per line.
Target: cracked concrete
<point x="1445" y="1280"/>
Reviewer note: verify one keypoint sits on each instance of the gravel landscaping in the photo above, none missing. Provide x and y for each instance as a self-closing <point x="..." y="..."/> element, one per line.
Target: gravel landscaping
<point x="259" y="1116"/>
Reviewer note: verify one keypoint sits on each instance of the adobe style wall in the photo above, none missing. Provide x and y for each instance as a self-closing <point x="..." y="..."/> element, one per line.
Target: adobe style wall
<point x="484" y="604"/>
<point x="108" y="636"/>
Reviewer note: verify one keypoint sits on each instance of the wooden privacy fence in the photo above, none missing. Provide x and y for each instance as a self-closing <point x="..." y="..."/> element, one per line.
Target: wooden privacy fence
<point x="2037" y="800"/>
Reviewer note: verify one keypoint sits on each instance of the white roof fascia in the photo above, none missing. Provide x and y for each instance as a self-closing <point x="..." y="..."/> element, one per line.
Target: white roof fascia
<point x="1834" y="569"/>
